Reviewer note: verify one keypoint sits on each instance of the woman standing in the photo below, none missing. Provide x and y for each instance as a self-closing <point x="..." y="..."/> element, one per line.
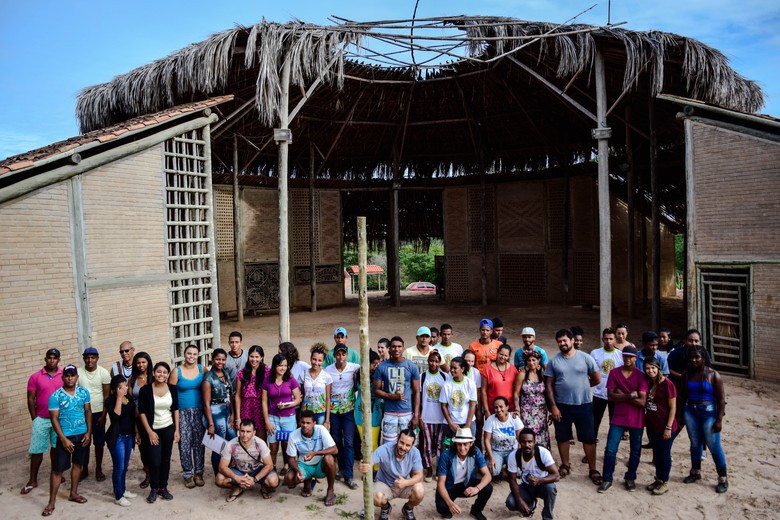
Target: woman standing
<point x="249" y="390"/>
<point x="432" y="421"/>
<point x="140" y="377"/>
<point x="298" y="368"/>
<point x="120" y="407"/>
<point x="458" y="398"/>
<point x="342" y="411"/>
<point x="498" y="379"/>
<point x="158" y="405"/>
<point x="316" y="386"/>
<point x="501" y="431"/>
<point x="281" y="394"/>
<point x="665" y="341"/>
<point x="187" y="379"/>
<point x="529" y="398"/>
<point x="621" y="336"/>
<point x="660" y="421"/>
<point x="705" y="405"/>
<point x="218" y="409"/>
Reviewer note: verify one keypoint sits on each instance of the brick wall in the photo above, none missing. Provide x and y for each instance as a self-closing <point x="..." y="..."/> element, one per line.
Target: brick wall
<point x="766" y="309"/>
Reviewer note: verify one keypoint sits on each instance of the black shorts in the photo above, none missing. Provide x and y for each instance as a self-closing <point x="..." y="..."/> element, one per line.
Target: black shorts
<point x="63" y="459"/>
<point x="581" y="416"/>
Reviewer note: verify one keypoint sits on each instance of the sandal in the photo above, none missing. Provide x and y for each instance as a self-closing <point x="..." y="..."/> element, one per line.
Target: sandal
<point x="564" y="470"/>
<point x="27" y="489"/>
<point x="306" y="491"/>
<point x="233" y="496"/>
<point x="265" y="492"/>
<point x="48" y="511"/>
<point x="330" y="501"/>
<point x="78" y="499"/>
<point x="595" y="477"/>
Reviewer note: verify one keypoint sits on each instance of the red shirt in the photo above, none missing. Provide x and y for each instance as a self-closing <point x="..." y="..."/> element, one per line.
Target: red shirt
<point x="43" y="384"/>
<point x="625" y="414"/>
<point x="657" y="408"/>
<point x="500" y="383"/>
<point x="484" y="353"/>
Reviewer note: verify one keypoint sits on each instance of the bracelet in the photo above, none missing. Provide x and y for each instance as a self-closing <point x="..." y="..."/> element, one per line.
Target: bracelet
<point x="667" y="428"/>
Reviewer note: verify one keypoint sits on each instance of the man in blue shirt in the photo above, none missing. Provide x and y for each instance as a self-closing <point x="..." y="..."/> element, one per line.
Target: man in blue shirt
<point x="529" y="343"/>
<point x="462" y="472"/>
<point x="71" y="418"/>
<point x="650" y="349"/>
<point x="397" y="381"/>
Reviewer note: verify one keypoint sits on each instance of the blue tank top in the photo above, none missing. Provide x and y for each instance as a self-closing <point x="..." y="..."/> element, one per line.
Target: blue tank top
<point x="189" y="390"/>
<point x="701" y="391"/>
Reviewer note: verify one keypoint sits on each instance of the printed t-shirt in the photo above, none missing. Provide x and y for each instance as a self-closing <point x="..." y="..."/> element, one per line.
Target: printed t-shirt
<point x="43" y="384"/>
<point x="499" y="383"/>
<point x="280" y="394"/>
<point x="457" y="396"/>
<point x="429" y="393"/>
<point x="572" y="383"/>
<point x="73" y="420"/>
<point x="453" y="350"/>
<point x="504" y="434"/>
<point x="418" y="358"/>
<point x="395" y="376"/>
<point x="314" y="391"/>
<point x="484" y="353"/>
<point x="390" y="468"/>
<point x="299" y="445"/>
<point x="657" y="407"/>
<point x="93" y="382"/>
<point x="238" y="457"/>
<point x="625" y="414"/>
<point x="342" y="391"/>
<point x="606" y="361"/>
<point x="530" y="468"/>
<point x="519" y="362"/>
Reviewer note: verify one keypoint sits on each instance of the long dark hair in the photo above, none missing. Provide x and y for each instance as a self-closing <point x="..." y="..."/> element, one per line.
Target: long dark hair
<point x="290" y="352"/>
<point x="247" y="370"/>
<point x="277" y="360"/>
<point x="539" y="371"/>
<point x="135" y="373"/>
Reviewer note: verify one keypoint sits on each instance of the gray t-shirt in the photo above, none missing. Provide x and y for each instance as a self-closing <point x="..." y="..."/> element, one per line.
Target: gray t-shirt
<point x="572" y="384"/>
<point x="390" y="468"/>
<point x="234" y="365"/>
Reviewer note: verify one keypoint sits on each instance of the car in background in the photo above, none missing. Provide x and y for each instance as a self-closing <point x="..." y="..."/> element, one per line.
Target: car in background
<point x="421" y="287"/>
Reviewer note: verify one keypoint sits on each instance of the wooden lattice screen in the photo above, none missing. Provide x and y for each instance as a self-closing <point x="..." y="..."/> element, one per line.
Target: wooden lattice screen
<point x="726" y="317"/>
<point x="583" y="278"/>
<point x="223" y="210"/>
<point x="523" y="277"/>
<point x="299" y="227"/>
<point x="556" y="215"/>
<point x="457" y="278"/>
<point x="190" y="243"/>
<point x="476" y="229"/>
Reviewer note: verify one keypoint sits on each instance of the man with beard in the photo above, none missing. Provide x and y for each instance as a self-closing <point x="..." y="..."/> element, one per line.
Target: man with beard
<point x="529" y="343"/>
<point x="532" y="474"/>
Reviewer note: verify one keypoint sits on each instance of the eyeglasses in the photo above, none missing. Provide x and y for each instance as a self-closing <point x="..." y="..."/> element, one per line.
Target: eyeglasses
<point x="125" y="351"/>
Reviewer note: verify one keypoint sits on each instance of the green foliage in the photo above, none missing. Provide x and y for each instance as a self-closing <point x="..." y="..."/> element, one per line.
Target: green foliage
<point x="679" y="259"/>
<point x="417" y="264"/>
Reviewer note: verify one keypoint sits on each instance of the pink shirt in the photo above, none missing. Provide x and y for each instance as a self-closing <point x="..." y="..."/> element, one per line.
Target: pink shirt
<point x="627" y="415"/>
<point x="42" y="384"/>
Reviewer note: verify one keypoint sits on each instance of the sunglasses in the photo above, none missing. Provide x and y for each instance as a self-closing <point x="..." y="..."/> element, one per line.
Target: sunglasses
<point x="125" y="351"/>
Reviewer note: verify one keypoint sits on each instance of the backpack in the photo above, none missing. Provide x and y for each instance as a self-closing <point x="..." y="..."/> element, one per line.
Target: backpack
<point x="537" y="456"/>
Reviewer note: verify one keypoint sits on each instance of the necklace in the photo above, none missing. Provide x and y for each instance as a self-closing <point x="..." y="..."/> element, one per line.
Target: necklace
<point x="502" y="372"/>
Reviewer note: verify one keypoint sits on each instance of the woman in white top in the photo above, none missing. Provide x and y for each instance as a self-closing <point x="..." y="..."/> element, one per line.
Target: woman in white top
<point x="432" y="421"/>
<point x="458" y="398"/>
<point x="501" y="430"/>
<point x="316" y="386"/>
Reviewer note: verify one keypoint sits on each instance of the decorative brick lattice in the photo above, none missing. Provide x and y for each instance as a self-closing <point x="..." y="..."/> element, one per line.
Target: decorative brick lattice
<point x="583" y="279"/>
<point x="299" y="227"/>
<point x="456" y="285"/>
<point x="523" y="277"/>
<point x="223" y="210"/>
<point x="555" y="215"/>
<point x="476" y="230"/>
<point x="262" y="286"/>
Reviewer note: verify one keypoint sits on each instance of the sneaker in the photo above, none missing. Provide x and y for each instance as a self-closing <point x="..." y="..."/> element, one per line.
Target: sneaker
<point x="408" y="513"/>
<point x="604" y="486"/>
<point x="189" y="482"/>
<point x="152" y="498"/>
<point x="165" y="494"/>
<point x="630" y="485"/>
<point x="351" y="484"/>
<point x="654" y="485"/>
<point x="693" y="477"/>
<point x="130" y="494"/>
<point x="339" y="475"/>
<point x="384" y="514"/>
<point x="661" y="488"/>
<point x="198" y="478"/>
<point x="723" y="486"/>
<point x="122" y="502"/>
<point x="477" y="514"/>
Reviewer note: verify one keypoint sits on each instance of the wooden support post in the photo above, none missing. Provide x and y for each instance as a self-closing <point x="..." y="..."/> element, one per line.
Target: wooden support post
<point x="365" y="367"/>
<point x="691" y="288"/>
<point x="603" y="133"/>
<point x="655" y="314"/>
<point x="394" y="250"/>
<point x="284" y="239"/>
<point x="211" y="234"/>
<point x="630" y="200"/>
<point x="482" y="238"/>
<point x="238" y="243"/>
<point x="565" y="251"/>
<point x="312" y="231"/>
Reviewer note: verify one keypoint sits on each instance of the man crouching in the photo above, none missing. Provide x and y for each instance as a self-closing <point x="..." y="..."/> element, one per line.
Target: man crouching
<point x="246" y="462"/>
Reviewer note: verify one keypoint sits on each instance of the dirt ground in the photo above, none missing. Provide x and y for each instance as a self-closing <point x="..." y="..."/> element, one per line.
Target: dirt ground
<point x="751" y="434"/>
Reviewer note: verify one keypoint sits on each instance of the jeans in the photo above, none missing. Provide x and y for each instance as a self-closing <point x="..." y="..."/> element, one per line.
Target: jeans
<point x="699" y="419"/>
<point x="662" y="453"/>
<point x="160" y="458"/>
<point x="610" y="452"/>
<point x="120" y="455"/>
<point x="220" y="414"/>
<point x="457" y="490"/>
<point x="547" y="492"/>
<point x="342" y="429"/>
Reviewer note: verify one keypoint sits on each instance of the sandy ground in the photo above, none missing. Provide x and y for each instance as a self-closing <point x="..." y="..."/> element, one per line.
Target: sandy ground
<point x="751" y="434"/>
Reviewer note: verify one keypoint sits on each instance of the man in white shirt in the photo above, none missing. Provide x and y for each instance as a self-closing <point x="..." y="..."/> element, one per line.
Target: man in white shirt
<point x="447" y="348"/>
<point x="607" y="358"/>
<point x="537" y="473"/>
<point x="311" y="454"/>
<point x="418" y="354"/>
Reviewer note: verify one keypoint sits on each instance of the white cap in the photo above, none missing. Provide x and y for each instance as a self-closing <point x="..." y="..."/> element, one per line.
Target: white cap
<point x="528" y="331"/>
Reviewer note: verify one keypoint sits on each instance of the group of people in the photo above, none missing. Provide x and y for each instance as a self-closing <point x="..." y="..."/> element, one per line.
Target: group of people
<point x="462" y="416"/>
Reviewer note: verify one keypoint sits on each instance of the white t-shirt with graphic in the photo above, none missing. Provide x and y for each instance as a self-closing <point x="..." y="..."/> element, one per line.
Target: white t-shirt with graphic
<point x="606" y="361"/>
<point x="503" y="434"/>
<point x="457" y="396"/>
<point x="530" y="468"/>
<point x="431" y="391"/>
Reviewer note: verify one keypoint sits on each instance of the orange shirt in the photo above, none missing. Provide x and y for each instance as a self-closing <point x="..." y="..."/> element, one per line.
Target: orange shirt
<point x="484" y="353"/>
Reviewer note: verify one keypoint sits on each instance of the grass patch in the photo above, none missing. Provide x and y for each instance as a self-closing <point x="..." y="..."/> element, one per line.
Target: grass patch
<point x="347" y="514"/>
<point x="281" y="499"/>
<point x="313" y="508"/>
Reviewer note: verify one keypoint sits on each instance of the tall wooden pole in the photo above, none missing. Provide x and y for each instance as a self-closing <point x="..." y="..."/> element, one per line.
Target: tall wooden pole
<point x="631" y="235"/>
<point x="283" y="138"/>
<point x="312" y="231"/>
<point x="655" y="314"/>
<point x="365" y="368"/>
<point x="565" y="250"/>
<point x="482" y="238"/>
<point x="602" y="133"/>
<point x="393" y="249"/>
<point x="238" y="242"/>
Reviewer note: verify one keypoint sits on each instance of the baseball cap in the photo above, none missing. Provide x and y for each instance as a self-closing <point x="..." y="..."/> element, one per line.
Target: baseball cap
<point x="70" y="368"/>
<point x="90" y="351"/>
<point x="340" y="330"/>
<point x="484" y="322"/>
<point x="53" y="352"/>
<point x="528" y="331"/>
<point x="340" y="347"/>
<point x="629" y="350"/>
<point x="423" y="331"/>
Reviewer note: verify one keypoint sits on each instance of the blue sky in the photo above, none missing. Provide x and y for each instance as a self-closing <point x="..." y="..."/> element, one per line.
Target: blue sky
<point x="51" y="49"/>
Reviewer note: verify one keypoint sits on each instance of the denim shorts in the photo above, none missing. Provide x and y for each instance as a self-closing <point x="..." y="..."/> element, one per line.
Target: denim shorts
<point x="281" y="424"/>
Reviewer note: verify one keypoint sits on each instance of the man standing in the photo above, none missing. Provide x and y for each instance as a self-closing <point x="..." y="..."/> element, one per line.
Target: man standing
<point x="650" y="349"/>
<point x="498" y="331"/>
<point x="71" y="419"/>
<point x="627" y="388"/>
<point x="397" y="382"/>
<point x="567" y="380"/>
<point x="485" y="348"/>
<point x="97" y="381"/>
<point x="418" y="354"/>
<point x="607" y="358"/>
<point x="400" y="475"/>
<point x="237" y="356"/>
<point x="246" y="462"/>
<point x="447" y="348"/>
<point x="462" y="472"/>
<point x="40" y="386"/>
<point x="529" y="338"/>
<point x="435" y="337"/>
<point x="537" y="473"/>
<point x="677" y="360"/>
<point x="311" y="454"/>
<point x="125" y="365"/>
<point x="340" y="337"/>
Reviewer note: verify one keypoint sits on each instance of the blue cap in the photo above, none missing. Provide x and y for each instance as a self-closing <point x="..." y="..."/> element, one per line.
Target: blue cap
<point x="423" y="331"/>
<point x="485" y="323"/>
<point x="340" y="330"/>
<point x="90" y="351"/>
<point x="70" y="369"/>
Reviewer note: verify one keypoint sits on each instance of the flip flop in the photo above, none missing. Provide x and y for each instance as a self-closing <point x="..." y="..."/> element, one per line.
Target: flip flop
<point x="27" y="489"/>
<point x="78" y="499"/>
<point x="100" y="478"/>
<point x="330" y="501"/>
<point x="595" y="477"/>
<point x="306" y="491"/>
<point x="48" y="511"/>
<point x="144" y="483"/>
<point x="564" y="470"/>
<point x="266" y="493"/>
<point x="233" y="496"/>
